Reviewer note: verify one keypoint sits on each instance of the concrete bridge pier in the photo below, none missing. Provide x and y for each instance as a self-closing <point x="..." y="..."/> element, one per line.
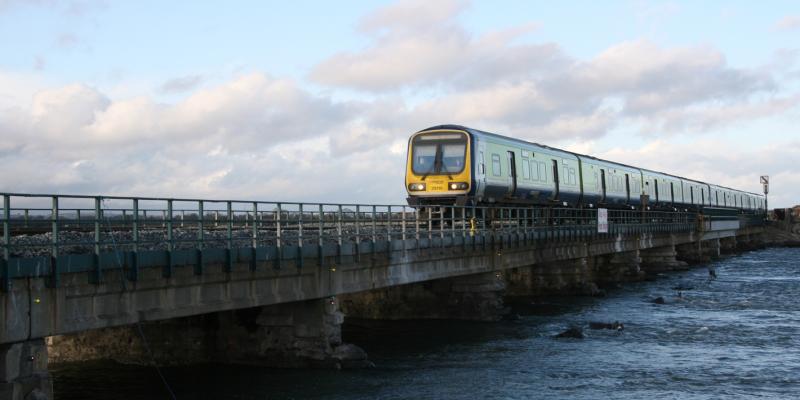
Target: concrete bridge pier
<point x="699" y="252"/>
<point x="304" y="334"/>
<point x="296" y="335"/>
<point x="614" y="268"/>
<point x="572" y="276"/>
<point x="23" y="371"/>
<point x="476" y="297"/>
<point x="661" y="259"/>
<point x="727" y="245"/>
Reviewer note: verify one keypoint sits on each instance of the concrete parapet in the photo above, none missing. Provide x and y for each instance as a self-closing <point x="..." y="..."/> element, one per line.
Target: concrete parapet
<point x="476" y="297"/>
<point x="23" y="371"/>
<point x="660" y="259"/>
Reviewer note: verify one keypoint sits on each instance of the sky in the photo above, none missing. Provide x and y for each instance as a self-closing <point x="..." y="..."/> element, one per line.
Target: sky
<point x="314" y="101"/>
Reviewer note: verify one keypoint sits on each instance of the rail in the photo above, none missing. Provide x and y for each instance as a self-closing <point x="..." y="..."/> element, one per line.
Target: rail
<point x="46" y="235"/>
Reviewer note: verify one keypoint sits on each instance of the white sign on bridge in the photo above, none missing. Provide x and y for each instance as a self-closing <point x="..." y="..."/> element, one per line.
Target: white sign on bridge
<point x="602" y="220"/>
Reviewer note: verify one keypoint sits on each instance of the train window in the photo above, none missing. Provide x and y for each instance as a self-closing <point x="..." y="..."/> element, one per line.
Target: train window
<point x="526" y="172"/>
<point x="483" y="165"/>
<point x="572" y="177"/>
<point x="672" y="191"/>
<point x="534" y="170"/>
<point x="496" y="168"/>
<point x="542" y="172"/>
<point x="453" y="157"/>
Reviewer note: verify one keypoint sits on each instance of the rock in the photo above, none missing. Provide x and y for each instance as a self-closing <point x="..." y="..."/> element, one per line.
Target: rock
<point x="36" y="394"/>
<point x="616" y="325"/>
<point x="659" y="300"/>
<point x="574" y="333"/>
<point x="351" y="356"/>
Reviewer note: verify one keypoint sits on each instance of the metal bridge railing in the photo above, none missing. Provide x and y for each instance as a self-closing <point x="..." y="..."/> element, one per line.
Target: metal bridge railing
<point x="117" y="230"/>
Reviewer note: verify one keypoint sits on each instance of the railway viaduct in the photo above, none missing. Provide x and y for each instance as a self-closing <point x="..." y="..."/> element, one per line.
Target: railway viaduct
<point x="269" y="283"/>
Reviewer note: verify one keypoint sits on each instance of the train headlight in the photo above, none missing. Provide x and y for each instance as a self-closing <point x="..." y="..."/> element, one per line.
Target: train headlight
<point x="416" y="187"/>
<point x="457" y="186"/>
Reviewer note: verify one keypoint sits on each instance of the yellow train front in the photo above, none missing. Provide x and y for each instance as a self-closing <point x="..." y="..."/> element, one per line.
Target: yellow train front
<point x="438" y="167"/>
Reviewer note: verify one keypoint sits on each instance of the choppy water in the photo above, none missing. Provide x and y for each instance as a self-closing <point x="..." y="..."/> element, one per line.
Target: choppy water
<point x="733" y="337"/>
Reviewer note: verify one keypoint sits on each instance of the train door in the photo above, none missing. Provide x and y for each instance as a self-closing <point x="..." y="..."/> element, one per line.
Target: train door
<point x="628" y="187"/>
<point x="480" y="170"/>
<point x="672" y="191"/>
<point x="556" y="185"/>
<point x="603" y="185"/>
<point x="512" y="174"/>
<point x="655" y="181"/>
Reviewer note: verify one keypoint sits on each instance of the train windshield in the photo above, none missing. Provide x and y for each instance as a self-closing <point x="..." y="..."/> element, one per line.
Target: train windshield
<point x="439" y="153"/>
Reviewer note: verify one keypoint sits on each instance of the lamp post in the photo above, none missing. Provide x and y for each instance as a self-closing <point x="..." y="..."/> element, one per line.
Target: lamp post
<point x="765" y="184"/>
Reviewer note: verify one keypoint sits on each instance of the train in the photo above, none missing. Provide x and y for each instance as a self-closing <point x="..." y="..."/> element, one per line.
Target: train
<point x="457" y="165"/>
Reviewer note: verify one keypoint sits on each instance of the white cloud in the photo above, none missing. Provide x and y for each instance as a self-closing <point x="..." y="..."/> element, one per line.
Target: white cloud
<point x="787" y="23"/>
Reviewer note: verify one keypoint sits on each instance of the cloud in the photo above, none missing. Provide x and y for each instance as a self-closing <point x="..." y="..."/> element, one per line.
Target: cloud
<point x="182" y="84"/>
<point x="501" y="81"/>
<point x="254" y="136"/>
<point x="787" y="23"/>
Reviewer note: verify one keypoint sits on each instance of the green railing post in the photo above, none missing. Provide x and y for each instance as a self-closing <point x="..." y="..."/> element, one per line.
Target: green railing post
<point x="320" y="232"/>
<point x="358" y="233"/>
<point x="403" y="227"/>
<point x="278" y="238"/>
<point x="229" y="244"/>
<point x="54" y="277"/>
<point x="339" y="236"/>
<point x="167" y="273"/>
<point x="97" y="274"/>
<point x="254" y="243"/>
<point x="374" y="236"/>
<point x="300" y="237"/>
<point x="6" y="271"/>
<point x="134" y="272"/>
<point x="198" y="267"/>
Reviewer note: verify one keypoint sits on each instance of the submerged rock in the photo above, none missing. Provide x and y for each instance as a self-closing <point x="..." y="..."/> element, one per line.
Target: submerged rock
<point x="616" y="325"/>
<point x="659" y="300"/>
<point x="574" y="333"/>
<point x="351" y="356"/>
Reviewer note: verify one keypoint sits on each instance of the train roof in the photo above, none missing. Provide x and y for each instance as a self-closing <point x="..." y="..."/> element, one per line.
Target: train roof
<point x="472" y="130"/>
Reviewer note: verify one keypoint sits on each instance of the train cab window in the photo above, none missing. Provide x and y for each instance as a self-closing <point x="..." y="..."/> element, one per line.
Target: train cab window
<point x="439" y="153"/>
<point x="496" y="166"/>
<point x="453" y="157"/>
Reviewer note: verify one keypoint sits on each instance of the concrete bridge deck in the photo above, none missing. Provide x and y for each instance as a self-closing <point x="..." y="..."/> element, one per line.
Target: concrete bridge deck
<point x="83" y="263"/>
